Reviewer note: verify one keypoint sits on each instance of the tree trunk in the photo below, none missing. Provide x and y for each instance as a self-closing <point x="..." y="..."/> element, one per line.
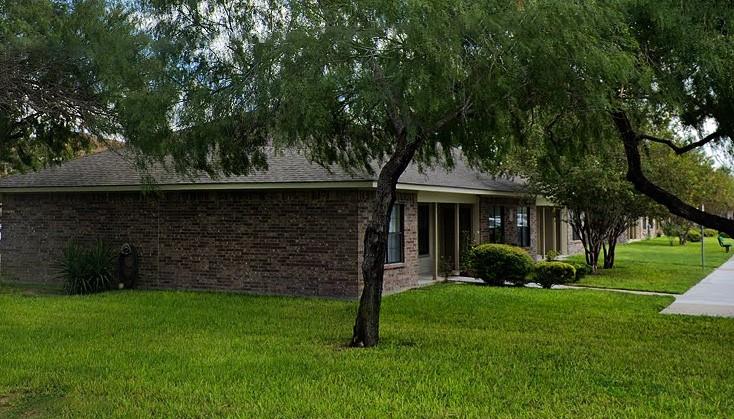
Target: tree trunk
<point x="609" y="254"/>
<point x="593" y="256"/>
<point x="631" y="139"/>
<point x="367" y="325"/>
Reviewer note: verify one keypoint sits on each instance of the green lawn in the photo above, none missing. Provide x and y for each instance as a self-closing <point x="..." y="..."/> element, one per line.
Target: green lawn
<point x="655" y="265"/>
<point x="447" y="350"/>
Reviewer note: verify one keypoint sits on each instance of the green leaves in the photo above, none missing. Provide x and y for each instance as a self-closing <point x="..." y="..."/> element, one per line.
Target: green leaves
<point x="70" y="73"/>
<point x="339" y="80"/>
<point x="86" y="270"/>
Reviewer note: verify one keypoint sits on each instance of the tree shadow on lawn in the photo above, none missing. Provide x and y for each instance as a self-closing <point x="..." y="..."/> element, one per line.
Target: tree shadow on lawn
<point x="28" y="404"/>
<point x="29" y="288"/>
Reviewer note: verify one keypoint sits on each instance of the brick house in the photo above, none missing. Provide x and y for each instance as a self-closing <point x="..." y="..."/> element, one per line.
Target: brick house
<point x="295" y="229"/>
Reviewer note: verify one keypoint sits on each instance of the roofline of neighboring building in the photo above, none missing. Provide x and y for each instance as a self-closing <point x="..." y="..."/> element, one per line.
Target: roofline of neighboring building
<point x="366" y="184"/>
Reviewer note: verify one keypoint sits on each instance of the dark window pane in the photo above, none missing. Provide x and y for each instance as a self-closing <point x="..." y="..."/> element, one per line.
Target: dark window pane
<point x="523" y="226"/>
<point x="575" y="235"/>
<point x="496" y="230"/>
<point x="395" y="235"/>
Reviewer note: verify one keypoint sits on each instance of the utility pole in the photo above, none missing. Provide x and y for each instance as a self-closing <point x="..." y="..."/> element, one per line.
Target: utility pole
<point x="703" y="239"/>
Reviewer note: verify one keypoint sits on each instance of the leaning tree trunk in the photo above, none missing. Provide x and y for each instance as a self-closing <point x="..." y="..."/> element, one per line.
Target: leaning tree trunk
<point x="367" y="325"/>
<point x="631" y="140"/>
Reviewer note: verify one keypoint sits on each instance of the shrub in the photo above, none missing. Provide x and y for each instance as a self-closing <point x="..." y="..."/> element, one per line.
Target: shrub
<point x="582" y="269"/>
<point x="709" y="232"/>
<point x="496" y="263"/>
<point x="86" y="270"/>
<point x="551" y="256"/>
<point x="723" y="235"/>
<point x="549" y="273"/>
<point x="694" y="235"/>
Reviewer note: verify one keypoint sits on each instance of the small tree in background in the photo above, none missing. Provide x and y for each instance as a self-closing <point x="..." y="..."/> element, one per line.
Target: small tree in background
<point x="602" y="205"/>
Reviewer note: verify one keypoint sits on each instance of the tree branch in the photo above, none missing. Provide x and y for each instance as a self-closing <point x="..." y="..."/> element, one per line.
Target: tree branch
<point x="716" y="135"/>
<point x="393" y="108"/>
<point x="635" y="174"/>
<point x="448" y="118"/>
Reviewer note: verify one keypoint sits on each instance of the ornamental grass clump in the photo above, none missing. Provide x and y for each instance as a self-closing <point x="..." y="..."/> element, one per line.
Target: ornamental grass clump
<point x="499" y="263"/>
<point x="86" y="270"/>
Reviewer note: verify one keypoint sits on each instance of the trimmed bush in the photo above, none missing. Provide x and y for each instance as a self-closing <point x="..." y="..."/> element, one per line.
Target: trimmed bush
<point x="86" y="270"/>
<point x="724" y="235"/>
<point x="551" y="255"/>
<point x="694" y="235"/>
<point x="709" y="232"/>
<point x="550" y="273"/>
<point x="497" y="263"/>
<point x="582" y="269"/>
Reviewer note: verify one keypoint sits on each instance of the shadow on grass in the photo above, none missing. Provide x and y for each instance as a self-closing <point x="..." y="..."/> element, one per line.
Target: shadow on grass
<point x="29" y="288"/>
<point x="27" y="404"/>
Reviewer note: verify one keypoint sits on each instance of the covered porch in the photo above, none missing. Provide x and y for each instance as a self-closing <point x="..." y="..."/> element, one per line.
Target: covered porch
<point x="448" y="224"/>
<point x="553" y="230"/>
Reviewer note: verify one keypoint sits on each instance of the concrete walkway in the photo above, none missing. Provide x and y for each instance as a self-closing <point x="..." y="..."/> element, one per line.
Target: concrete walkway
<point x="653" y="293"/>
<point x="713" y="296"/>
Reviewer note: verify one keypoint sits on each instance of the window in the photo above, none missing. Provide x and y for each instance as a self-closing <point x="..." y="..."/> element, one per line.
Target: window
<point x="575" y="235"/>
<point x="523" y="226"/>
<point x="395" y="236"/>
<point x="424" y="230"/>
<point x="496" y="232"/>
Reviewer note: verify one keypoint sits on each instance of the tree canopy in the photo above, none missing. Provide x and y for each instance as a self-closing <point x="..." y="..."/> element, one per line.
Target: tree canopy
<point x="601" y="203"/>
<point x="72" y="71"/>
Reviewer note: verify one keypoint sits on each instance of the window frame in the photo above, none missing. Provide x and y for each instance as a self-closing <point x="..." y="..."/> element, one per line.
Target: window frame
<point x="400" y="233"/>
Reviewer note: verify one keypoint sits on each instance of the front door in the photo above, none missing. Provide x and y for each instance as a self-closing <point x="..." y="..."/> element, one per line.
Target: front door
<point x="447" y="237"/>
<point x="426" y="247"/>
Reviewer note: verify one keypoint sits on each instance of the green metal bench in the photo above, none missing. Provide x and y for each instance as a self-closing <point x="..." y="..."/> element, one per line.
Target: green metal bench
<point x="724" y="244"/>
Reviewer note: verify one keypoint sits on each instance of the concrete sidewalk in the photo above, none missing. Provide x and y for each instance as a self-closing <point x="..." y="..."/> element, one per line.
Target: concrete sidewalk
<point x="713" y="296"/>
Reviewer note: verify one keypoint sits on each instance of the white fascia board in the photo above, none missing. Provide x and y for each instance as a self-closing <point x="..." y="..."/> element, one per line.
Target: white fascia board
<point x="451" y="189"/>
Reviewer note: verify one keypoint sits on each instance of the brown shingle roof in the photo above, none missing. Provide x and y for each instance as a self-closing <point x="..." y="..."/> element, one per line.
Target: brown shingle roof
<point x="112" y="168"/>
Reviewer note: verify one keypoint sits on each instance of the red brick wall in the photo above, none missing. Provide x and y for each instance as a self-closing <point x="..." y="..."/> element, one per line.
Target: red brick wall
<point x="401" y="276"/>
<point x="299" y="242"/>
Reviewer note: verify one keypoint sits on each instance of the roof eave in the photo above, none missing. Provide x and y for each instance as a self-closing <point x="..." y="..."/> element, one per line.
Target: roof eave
<point x="363" y="184"/>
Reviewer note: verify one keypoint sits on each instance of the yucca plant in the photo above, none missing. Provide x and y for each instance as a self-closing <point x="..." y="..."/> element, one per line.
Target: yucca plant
<point x="86" y="270"/>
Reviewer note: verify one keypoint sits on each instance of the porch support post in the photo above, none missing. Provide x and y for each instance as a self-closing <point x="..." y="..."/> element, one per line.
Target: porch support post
<point x="457" y="244"/>
<point x="435" y="241"/>
<point x="554" y="211"/>
<point x="541" y="232"/>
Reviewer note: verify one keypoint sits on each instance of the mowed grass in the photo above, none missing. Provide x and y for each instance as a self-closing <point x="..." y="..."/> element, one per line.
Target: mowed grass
<point x="655" y="265"/>
<point x="447" y="350"/>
